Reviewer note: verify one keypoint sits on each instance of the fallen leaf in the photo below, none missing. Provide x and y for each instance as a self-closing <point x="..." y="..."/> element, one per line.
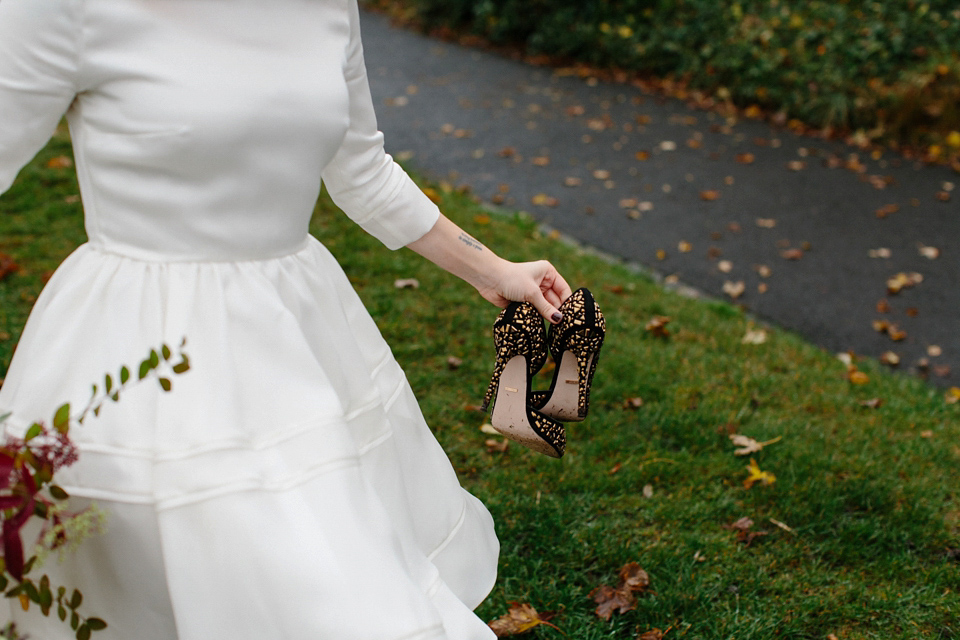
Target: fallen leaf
<point x="661" y="254"/>
<point x="887" y="210"/>
<point x="482" y="219"/>
<point x="857" y="377"/>
<point x="766" y="223"/>
<point x="755" y="475"/>
<point x="943" y="196"/>
<point x="796" y="165"/>
<point x="725" y="266"/>
<point x="872" y="403"/>
<point x="890" y="359"/>
<point x="653" y="634"/>
<point x="913" y="312"/>
<point x="601" y="174"/>
<point x="934" y="351"/>
<point x="453" y="363"/>
<point x="941" y="370"/>
<point x="883" y="306"/>
<point x="953" y="395"/>
<point x="749" y="445"/>
<point x="648" y="491"/>
<point x="489" y="429"/>
<point x="781" y="525"/>
<point x="59" y="162"/>
<point x="507" y="152"/>
<point x="543" y="200"/>
<point x="882" y="252"/>
<point x="496" y="446"/>
<point x="633" y="403"/>
<point x="734" y="289"/>
<point x="926" y="434"/>
<point x="931" y="253"/>
<point x="745" y="158"/>
<point x="754" y="336"/>
<point x="610" y="601"/>
<point x="668" y="145"/>
<point x="684" y="247"/>
<point x="657" y="326"/>
<point x="744" y="534"/>
<point x="572" y="182"/>
<point x="541" y="161"/>
<point x="406" y="283"/>
<point x="520" y="618"/>
<point x="709" y="195"/>
<point x="8" y="266"/>
<point x="616" y="469"/>
<point x="642" y="156"/>
<point x="901" y="281"/>
<point x="791" y="254"/>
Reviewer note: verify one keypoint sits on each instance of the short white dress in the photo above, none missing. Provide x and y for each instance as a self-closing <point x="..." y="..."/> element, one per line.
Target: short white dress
<point x="288" y="488"/>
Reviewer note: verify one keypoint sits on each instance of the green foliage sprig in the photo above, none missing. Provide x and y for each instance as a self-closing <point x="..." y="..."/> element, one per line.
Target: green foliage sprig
<point x="28" y="467"/>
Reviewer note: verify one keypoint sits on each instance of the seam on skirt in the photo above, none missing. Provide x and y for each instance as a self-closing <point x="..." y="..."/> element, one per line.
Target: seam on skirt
<point x="193" y="497"/>
<point x="450" y="536"/>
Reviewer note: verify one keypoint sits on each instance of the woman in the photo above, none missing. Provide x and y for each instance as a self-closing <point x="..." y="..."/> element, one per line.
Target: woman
<point x="288" y="487"/>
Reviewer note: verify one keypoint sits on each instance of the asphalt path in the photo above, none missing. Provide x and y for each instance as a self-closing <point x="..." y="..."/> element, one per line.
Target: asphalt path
<point x="811" y="229"/>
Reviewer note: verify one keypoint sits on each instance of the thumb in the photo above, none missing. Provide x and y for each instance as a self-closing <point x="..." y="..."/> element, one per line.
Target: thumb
<point x="547" y="310"/>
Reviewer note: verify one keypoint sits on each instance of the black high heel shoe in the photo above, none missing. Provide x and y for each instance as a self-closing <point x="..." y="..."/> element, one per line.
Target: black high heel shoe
<point x="575" y="346"/>
<point x="521" y="351"/>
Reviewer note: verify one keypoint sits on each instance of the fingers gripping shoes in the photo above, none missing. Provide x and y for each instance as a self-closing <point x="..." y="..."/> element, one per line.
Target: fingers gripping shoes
<point x="521" y="351"/>
<point x="575" y="346"/>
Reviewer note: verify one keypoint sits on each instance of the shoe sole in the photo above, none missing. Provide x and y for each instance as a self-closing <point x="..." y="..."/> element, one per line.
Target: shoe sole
<point x="509" y="415"/>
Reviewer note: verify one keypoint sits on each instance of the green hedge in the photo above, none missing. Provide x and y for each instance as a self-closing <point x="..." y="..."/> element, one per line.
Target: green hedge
<point x="853" y="64"/>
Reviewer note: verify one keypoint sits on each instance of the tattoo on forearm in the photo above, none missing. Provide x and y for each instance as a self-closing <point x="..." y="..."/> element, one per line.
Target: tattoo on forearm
<point x="470" y="241"/>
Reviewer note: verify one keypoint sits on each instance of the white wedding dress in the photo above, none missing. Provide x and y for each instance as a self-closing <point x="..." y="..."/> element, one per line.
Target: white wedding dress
<point x="288" y="487"/>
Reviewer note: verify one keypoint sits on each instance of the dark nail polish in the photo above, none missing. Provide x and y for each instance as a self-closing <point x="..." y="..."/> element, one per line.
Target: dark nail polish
<point x="557" y="316"/>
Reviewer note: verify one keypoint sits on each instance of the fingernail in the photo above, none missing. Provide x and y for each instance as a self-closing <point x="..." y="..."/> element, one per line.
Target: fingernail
<point x="557" y="316"/>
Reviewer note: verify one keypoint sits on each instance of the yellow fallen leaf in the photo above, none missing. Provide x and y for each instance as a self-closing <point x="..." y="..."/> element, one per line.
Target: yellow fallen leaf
<point x="858" y="377"/>
<point x="520" y="618"/>
<point x="953" y="395"/>
<point x="755" y="475"/>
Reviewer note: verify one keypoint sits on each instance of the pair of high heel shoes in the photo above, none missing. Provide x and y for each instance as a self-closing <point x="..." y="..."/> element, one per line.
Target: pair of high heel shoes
<point x="533" y="418"/>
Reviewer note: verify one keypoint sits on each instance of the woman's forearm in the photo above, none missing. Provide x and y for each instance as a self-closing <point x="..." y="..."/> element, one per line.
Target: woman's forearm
<point x="453" y="249"/>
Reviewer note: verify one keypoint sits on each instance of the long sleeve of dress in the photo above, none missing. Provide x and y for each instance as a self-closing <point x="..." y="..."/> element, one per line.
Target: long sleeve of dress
<point x="362" y="179"/>
<point x="38" y="70"/>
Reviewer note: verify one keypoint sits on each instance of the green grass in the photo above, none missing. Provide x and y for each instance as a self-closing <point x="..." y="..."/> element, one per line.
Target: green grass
<point x="871" y="501"/>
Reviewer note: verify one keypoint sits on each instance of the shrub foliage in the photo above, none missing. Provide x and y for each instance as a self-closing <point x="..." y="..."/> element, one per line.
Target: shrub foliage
<point x="890" y="67"/>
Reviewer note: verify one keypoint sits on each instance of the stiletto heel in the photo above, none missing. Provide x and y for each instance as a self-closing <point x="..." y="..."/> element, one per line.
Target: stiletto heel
<point x="575" y="346"/>
<point x="521" y="352"/>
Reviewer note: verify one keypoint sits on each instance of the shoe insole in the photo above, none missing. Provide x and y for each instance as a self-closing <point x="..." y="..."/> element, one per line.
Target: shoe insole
<point x="564" y="403"/>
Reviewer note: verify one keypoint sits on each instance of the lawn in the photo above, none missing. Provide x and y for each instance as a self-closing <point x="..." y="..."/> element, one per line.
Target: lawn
<point x="858" y="534"/>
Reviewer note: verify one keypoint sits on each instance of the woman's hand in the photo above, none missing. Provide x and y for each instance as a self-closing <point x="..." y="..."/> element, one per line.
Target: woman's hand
<point x="538" y="283"/>
<point x="497" y="280"/>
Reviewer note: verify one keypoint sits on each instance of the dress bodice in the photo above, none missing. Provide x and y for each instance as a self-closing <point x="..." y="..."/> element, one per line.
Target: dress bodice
<point x="199" y="137"/>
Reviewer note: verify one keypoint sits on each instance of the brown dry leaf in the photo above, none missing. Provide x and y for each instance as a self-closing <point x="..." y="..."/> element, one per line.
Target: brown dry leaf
<point x="709" y="195"/>
<point x="657" y="326"/>
<point x="406" y="283"/>
<point x="763" y="270"/>
<point x="571" y="181"/>
<point x="610" y="601"/>
<point x="543" y="200"/>
<point x="601" y="174"/>
<point x="725" y="266"/>
<point x="507" y="152"/>
<point x="766" y="223"/>
<point x="668" y="145"/>
<point x="633" y="578"/>
<point x="482" y="218"/>
<point x="629" y="203"/>
<point x="616" y="469"/>
<point x="520" y="618"/>
<point x="633" y="403"/>
<point x="791" y="254"/>
<point x="855" y="376"/>
<point x="744" y="534"/>
<point x="661" y="254"/>
<point x="541" y="161"/>
<point x="575" y="110"/>
<point x="882" y="252"/>
<point x="887" y="210"/>
<point x="59" y="162"/>
<point x="749" y="445"/>
<point x="8" y="266"/>
<point x="433" y="194"/>
<point x="941" y="370"/>
<point x="943" y="196"/>
<point x="745" y="158"/>
<point x="890" y="359"/>
<point x="926" y="434"/>
<point x="931" y="253"/>
<point x="734" y="289"/>
<point x="872" y="403"/>
<point x="653" y="634"/>
<point x="883" y="306"/>
<point x="900" y="281"/>
<point x="755" y="475"/>
<point x="684" y="247"/>
<point x="642" y="156"/>
<point x="934" y="351"/>
<point x="796" y="165"/>
<point x="881" y="326"/>
<point x="453" y="363"/>
<point x="495" y="445"/>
